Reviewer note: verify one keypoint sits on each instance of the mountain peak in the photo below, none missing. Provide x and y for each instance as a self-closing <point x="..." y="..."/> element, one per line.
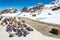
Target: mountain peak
<point x="57" y="1"/>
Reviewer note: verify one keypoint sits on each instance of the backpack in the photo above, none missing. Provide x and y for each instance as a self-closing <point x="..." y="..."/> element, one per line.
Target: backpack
<point x="11" y="35"/>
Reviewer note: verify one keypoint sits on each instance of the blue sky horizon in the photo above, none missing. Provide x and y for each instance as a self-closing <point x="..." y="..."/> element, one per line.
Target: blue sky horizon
<point x="20" y="3"/>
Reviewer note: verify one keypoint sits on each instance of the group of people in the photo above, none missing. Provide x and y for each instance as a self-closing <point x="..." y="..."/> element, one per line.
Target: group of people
<point x="15" y="26"/>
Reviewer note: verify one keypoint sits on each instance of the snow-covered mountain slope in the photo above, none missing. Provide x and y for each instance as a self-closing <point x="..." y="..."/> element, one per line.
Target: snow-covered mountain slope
<point x="57" y="2"/>
<point x="48" y="16"/>
<point x="46" y="13"/>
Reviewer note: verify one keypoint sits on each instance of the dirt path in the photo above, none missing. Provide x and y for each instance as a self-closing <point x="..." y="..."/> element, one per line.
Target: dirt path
<point x="42" y="27"/>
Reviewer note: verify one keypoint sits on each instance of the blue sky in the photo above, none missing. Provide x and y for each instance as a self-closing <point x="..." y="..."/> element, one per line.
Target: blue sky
<point x="20" y="3"/>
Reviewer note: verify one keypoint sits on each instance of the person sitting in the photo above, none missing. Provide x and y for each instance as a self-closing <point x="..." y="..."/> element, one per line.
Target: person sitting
<point x="15" y="21"/>
<point x="10" y="22"/>
<point x="11" y="19"/>
<point x="1" y="18"/>
<point x="23" y="29"/>
<point x="3" y="22"/>
<point x="19" y="18"/>
<point x="23" y="21"/>
<point x="18" y="32"/>
<point x="27" y="27"/>
<point x="24" y="32"/>
<point x="19" y="24"/>
<point x="9" y="30"/>
<point x="14" y="27"/>
<point x="6" y="19"/>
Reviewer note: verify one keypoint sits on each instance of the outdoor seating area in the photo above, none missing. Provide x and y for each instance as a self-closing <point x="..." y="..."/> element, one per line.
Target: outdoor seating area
<point x="15" y="26"/>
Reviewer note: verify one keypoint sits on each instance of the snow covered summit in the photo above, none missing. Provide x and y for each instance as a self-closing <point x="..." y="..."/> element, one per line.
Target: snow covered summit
<point x="57" y="2"/>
